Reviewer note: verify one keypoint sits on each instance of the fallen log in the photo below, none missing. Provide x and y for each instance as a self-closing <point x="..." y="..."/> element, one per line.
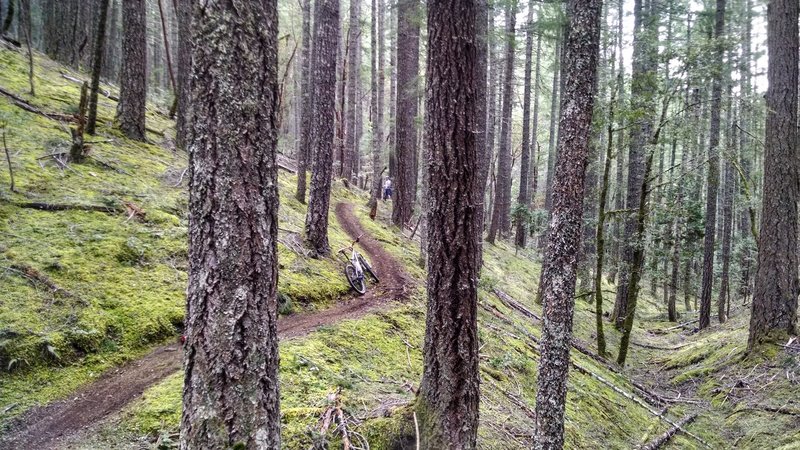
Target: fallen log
<point x="24" y="104"/>
<point x="67" y="207"/>
<point x="664" y="438"/>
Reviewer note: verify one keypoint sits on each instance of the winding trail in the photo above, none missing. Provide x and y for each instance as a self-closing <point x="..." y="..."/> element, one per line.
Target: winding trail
<point x="55" y="425"/>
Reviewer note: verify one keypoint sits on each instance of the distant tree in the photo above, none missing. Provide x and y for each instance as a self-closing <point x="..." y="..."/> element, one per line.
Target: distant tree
<point x="501" y="210"/>
<point x="230" y="396"/>
<point x="133" y="78"/>
<point x="351" y="143"/>
<point x="774" y="310"/>
<point x="521" y="234"/>
<point x="377" y="75"/>
<point x="306" y="105"/>
<point x="183" y="128"/>
<point x="447" y="402"/>
<point x="406" y="110"/>
<point x="713" y="168"/>
<point x="97" y="64"/>
<point x="481" y="110"/>
<point x="323" y="68"/>
<point x="581" y="49"/>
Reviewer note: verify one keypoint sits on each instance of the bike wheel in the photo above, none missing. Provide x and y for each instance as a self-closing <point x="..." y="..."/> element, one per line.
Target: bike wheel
<point x="368" y="268"/>
<point x="355" y="281"/>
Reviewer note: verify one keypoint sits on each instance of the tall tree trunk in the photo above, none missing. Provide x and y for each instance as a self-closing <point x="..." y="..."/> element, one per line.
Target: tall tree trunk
<point x="713" y="170"/>
<point x="112" y="46"/>
<point x="97" y="65"/>
<point x="230" y="396"/>
<point x="534" y="145"/>
<point x="523" y="198"/>
<point x="727" y="227"/>
<point x="406" y="110"/>
<point x="643" y="88"/>
<point x="502" y="197"/>
<point x="559" y="271"/>
<point x="551" y="147"/>
<point x="447" y="402"/>
<point x="774" y="306"/>
<point x="133" y="77"/>
<point x="493" y="79"/>
<point x="353" y="75"/>
<point x="323" y="68"/>
<point x="482" y="102"/>
<point x="377" y="70"/>
<point x="165" y="36"/>
<point x="745" y="153"/>
<point x="306" y="105"/>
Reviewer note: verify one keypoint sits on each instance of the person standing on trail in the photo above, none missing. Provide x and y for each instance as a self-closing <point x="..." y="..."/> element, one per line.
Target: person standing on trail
<point x="387" y="189"/>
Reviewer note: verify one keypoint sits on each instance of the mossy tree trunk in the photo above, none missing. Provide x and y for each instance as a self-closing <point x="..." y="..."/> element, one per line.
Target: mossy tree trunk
<point x="774" y="307"/>
<point x="97" y="64"/>
<point x="306" y="106"/>
<point x="559" y="270"/>
<point x="230" y="397"/>
<point x="447" y="402"/>
<point x="323" y="68"/>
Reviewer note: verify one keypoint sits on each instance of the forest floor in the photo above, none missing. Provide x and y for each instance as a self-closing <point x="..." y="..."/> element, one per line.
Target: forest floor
<point x="57" y="424"/>
<point x="95" y="288"/>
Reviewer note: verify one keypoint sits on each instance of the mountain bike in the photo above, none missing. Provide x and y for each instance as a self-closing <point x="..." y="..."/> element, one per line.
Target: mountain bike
<point x="356" y="266"/>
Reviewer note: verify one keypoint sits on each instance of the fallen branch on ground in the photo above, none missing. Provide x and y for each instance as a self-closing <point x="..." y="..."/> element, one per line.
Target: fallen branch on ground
<point x="24" y="104"/>
<point x="67" y="207"/>
<point x="664" y="438"/>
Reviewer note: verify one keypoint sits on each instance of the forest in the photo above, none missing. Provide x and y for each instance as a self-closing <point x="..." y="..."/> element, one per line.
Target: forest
<point x="399" y="224"/>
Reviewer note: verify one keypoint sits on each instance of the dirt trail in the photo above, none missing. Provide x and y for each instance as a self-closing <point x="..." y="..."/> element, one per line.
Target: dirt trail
<point x="55" y="425"/>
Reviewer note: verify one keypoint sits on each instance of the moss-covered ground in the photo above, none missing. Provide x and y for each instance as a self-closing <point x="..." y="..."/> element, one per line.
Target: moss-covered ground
<point x="127" y="277"/>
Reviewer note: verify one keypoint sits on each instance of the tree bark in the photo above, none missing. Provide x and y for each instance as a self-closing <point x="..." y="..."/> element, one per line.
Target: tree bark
<point x="713" y="170"/>
<point x="564" y="235"/>
<point x="502" y="195"/>
<point x="406" y="110"/>
<point x="774" y="306"/>
<point x="306" y="106"/>
<point x="97" y="65"/>
<point x="534" y="145"/>
<point x="447" y="402"/>
<point x="323" y="60"/>
<point x="551" y="147"/>
<point x="482" y="143"/>
<point x="349" y="157"/>
<point x="230" y="397"/>
<point x="377" y="101"/>
<point x="643" y="89"/>
<point x="133" y="77"/>
<point x="523" y="199"/>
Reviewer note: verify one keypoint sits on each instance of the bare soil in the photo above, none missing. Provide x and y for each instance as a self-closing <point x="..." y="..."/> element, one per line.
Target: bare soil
<point x="54" y="425"/>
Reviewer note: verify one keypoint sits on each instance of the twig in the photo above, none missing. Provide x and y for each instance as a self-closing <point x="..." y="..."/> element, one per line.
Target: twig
<point x="180" y="180"/>
<point x="8" y="158"/>
<point x="416" y="428"/>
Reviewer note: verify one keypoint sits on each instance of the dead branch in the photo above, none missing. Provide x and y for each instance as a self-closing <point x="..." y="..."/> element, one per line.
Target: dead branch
<point x="664" y="438"/>
<point x="105" y="93"/>
<point x="24" y="104"/>
<point x="8" y="159"/>
<point x="39" y="279"/>
<point x="180" y="180"/>
<point x="655" y="347"/>
<point x="109" y="166"/>
<point x="513" y="304"/>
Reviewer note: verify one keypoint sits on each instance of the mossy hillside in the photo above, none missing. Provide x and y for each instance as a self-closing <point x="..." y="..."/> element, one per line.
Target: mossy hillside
<point x="376" y="360"/>
<point x="122" y="277"/>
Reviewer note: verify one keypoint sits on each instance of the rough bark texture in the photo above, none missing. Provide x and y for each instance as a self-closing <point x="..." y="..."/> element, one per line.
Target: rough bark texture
<point x="481" y="112"/>
<point x="560" y="263"/>
<point x="447" y="402"/>
<point x="713" y="171"/>
<point x="643" y="89"/>
<point x="520" y="237"/>
<point x="97" y="65"/>
<point x="774" y="307"/>
<point x="727" y="220"/>
<point x="133" y="77"/>
<point x="501" y="211"/>
<point x="230" y="397"/>
<point x="306" y="105"/>
<point x="406" y="110"/>
<point x="323" y="67"/>
<point x="349" y="157"/>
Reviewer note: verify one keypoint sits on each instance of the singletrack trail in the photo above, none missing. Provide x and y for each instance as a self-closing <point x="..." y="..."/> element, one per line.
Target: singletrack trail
<point x="54" y="425"/>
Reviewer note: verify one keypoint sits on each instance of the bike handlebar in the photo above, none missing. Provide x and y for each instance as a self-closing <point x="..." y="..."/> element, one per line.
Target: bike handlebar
<point x="352" y="243"/>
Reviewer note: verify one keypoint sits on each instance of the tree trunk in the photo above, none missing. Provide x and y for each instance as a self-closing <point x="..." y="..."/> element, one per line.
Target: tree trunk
<point x="230" y="397"/>
<point x="560" y="263"/>
<point x="406" y="110"/>
<point x="774" y="306"/>
<point x="323" y="68"/>
<point x="353" y="76"/>
<point x="502" y="196"/>
<point x="534" y="145"/>
<point x="133" y="77"/>
<point x="97" y="65"/>
<point x="306" y="106"/>
<point x="551" y="147"/>
<point x="643" y="89"/>
<point x="112" y="45"/>
<point x="523" y="199"/>
<point x="713" y="170"/>
<point x="447" y="402"/>
<point x="482" y="143"/>
<point x="377" y="70"/>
